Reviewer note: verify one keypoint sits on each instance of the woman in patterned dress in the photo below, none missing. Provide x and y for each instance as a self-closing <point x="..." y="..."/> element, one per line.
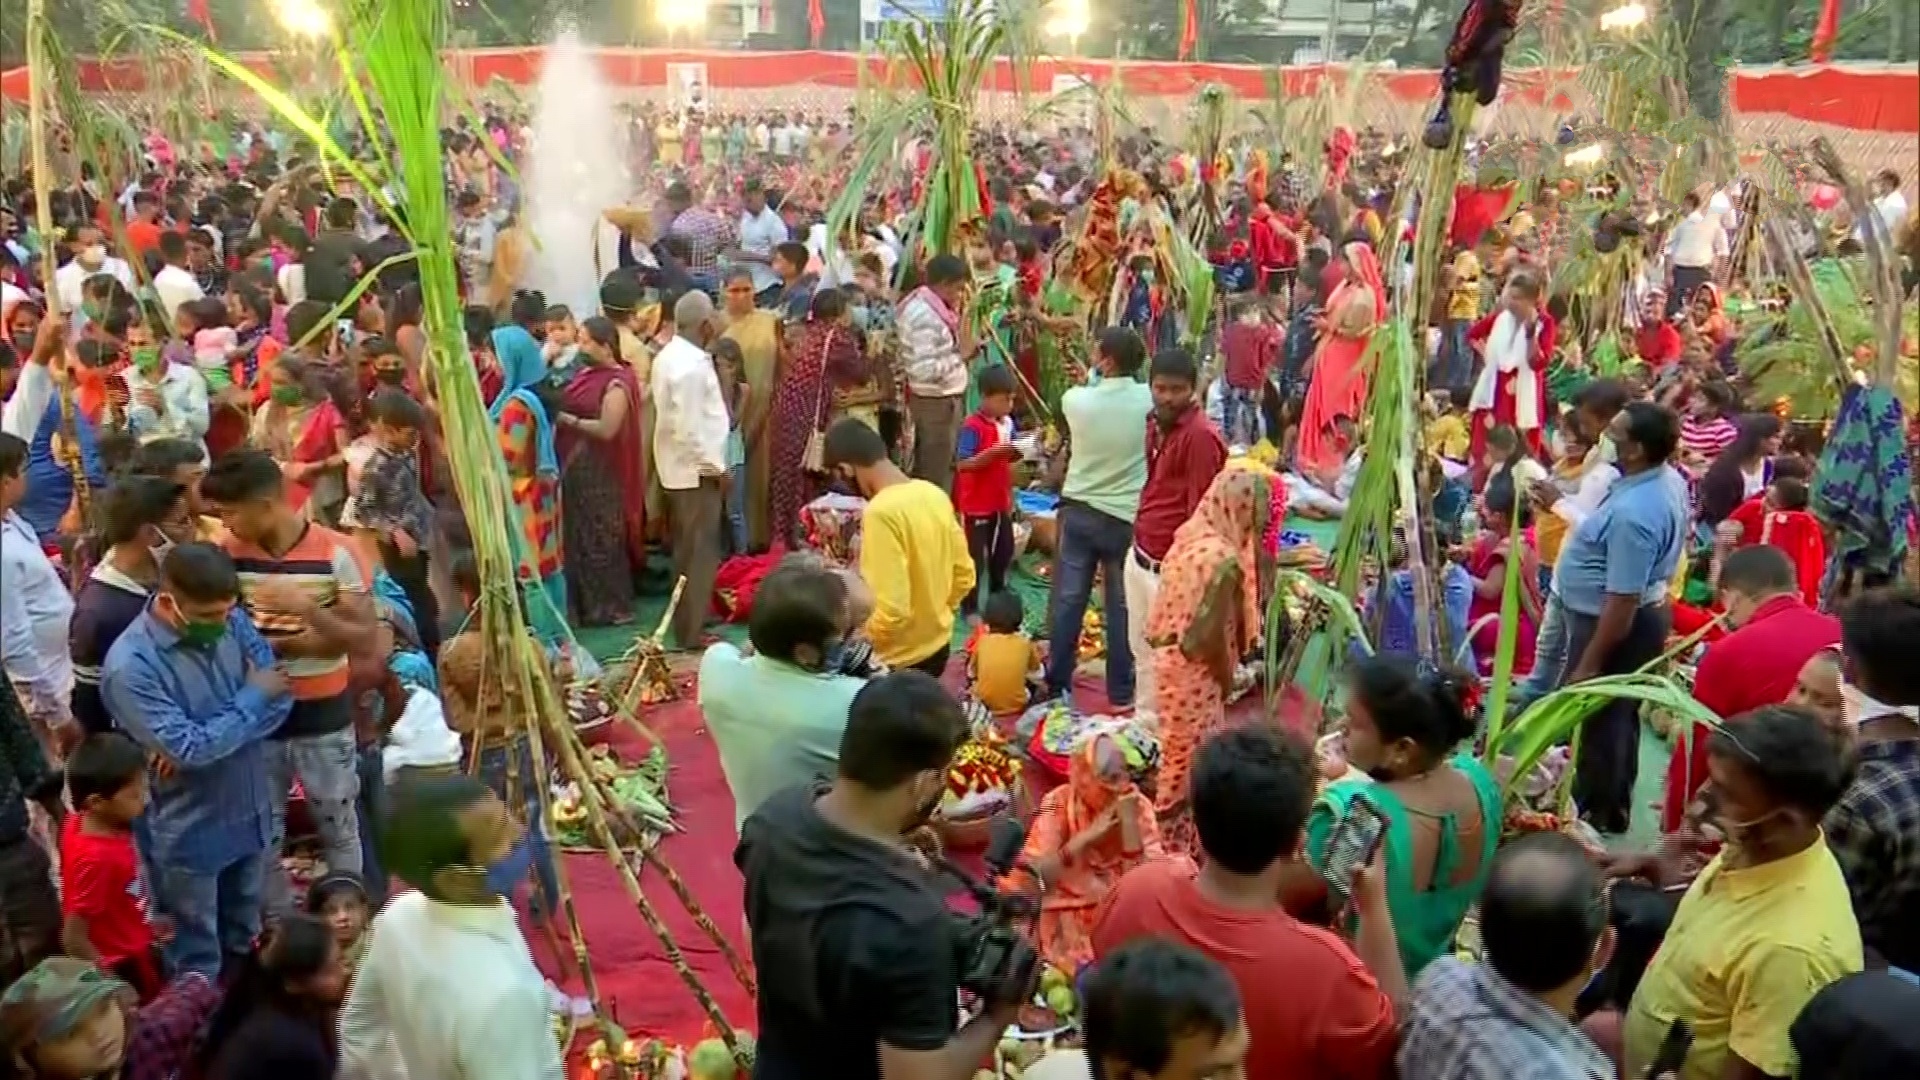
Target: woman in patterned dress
<point x="533" y="472"/>
<point x="820" y="345"/>
<point x="602" y="490"/>
<point x="1204" y="619"/>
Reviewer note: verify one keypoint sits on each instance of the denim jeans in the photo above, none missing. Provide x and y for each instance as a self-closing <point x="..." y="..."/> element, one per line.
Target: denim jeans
<point x="495" y="767"/>
<point x="1549" y="655"/>
<point x="1091" y="540"/>
<point x="215" y="916"/>
<point x="370" y="810"/>
<point x="736" y="510"/>
<point x="329" y="770"/>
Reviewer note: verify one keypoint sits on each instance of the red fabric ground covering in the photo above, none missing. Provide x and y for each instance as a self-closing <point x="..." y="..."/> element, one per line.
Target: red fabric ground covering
<point x="638" y="984"/>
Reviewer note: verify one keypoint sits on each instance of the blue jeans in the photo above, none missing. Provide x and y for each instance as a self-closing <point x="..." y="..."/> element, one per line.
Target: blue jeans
<point x="736" y="511"/>
<point x="215" y="916"/>
<point x="493" y="772"/>
<point x="1549" y="655"/>
<point x="1090" y="539"/>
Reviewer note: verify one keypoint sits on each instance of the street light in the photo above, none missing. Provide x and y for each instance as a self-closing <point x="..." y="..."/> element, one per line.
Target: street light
<point x="682" y="15"/>
<point x="1068" y="19"/>
<point x="1626" y="17"/>
<point x="303" y="18"/>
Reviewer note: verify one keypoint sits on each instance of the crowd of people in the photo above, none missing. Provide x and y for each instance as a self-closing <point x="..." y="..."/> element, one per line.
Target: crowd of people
<point x="235" y="562"/>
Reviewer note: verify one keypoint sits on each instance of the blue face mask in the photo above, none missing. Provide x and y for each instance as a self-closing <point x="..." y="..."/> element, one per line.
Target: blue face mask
<point x="506" y="875"/>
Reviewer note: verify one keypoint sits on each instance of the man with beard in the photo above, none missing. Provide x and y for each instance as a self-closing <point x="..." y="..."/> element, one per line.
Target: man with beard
<point x="913" y="554"/>
<point x="852" y="940"/>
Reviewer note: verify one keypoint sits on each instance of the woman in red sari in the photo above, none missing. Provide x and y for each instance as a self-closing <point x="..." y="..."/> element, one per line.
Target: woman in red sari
<point x="602" y="491"/>
<point x="823" y="353"/>
<point x="1515" y="344"/>
<point x="304" y="431"/>
<point x="1339" y="380"/>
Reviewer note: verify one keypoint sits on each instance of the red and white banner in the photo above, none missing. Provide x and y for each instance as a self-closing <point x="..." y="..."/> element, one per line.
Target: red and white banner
<point x="1860" y="98"/>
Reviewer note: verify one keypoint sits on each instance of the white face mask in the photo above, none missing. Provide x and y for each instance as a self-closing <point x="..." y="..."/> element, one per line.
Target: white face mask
<point x="94" y="255"/>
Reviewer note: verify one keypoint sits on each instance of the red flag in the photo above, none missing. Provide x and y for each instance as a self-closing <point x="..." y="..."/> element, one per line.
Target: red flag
<point x="1189" y="29"/>
<point x="199" y="11"/>
<point x="816" y="21"/>
<point x="1826" y="31"/>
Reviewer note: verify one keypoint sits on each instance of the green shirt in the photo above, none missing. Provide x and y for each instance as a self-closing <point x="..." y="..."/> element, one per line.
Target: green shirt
<point x="1107" y="426"/>
<point x="775" y="724"/>
<point x="1424" y="920"/>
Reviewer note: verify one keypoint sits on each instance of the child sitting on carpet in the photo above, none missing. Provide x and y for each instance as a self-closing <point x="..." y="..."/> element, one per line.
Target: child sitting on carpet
<point x="1324" y="497"/>
<point x="1003" y="664"/>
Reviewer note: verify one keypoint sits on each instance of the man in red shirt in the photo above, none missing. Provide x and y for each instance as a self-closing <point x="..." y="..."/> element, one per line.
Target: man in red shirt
<point x="1656" y="343"/>
<point x="1184" y="454"/>
<point x="1314" y="1006"/>
<point x="144" y="228"/>
<point x="1775" y="634"/>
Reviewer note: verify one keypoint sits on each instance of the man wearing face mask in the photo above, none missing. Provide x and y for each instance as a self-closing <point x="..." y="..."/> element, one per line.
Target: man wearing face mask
<point x="853" y="943"/>
<point x="139" y="518"/>
<point x="164" y="400"/>
<point x="1769" y="922"/>
<point x="1544" y="934"/>
<point x="194" y="683"/>
<point x="87" y="247"/>
<point x="1775" y="634"/>
<point x="798" y="629"/>
<point x="1875" y="827"/>
<point x="447" y="986"/>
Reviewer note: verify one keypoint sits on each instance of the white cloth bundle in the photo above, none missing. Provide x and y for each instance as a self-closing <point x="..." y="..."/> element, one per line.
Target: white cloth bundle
<point x="1510" y="351"/>
<point x="421" y="737"/>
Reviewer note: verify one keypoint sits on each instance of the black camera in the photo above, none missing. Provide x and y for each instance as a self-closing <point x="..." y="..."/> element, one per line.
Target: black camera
<point x="996" y="961"/>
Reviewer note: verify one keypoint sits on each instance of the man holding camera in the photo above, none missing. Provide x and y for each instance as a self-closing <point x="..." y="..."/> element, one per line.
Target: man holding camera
<point x="858" y="958"/>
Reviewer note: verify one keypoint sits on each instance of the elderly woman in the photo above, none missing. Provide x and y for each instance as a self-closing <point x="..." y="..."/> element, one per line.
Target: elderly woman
<point x="1204" y="619"/>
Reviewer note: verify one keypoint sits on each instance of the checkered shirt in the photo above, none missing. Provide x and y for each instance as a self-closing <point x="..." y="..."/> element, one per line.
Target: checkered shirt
<point x="707" y="235"/>
<point x="1874" y="830"/>
<point x="163" y="1034"/>
<point x="1467" y="1023"/>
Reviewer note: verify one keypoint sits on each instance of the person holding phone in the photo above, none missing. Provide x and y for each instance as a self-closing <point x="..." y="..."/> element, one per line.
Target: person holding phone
<point x="1089" y="832"/>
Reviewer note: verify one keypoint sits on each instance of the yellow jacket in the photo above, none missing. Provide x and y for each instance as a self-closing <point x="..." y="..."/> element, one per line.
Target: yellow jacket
<point x="914" y="557"/>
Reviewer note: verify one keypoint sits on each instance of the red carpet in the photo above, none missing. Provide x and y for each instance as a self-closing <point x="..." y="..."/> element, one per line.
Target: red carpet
<point x="638" y="984"/>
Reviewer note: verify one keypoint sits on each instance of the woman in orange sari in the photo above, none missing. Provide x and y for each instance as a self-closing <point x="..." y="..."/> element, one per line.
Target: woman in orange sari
<point x="1339" y="379"/>
<point x="1204" y="619"/>
<point x="1089" y="831"/>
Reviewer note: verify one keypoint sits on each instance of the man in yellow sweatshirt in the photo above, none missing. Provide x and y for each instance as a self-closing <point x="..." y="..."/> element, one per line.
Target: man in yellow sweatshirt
<point x="913" y="554"/>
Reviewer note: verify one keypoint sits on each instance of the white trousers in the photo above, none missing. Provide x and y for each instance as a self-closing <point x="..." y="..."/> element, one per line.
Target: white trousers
<point x="1142" y="585"/>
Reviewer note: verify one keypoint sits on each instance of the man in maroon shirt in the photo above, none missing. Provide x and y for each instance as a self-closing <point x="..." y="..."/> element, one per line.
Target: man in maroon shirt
<point x="1184" y="454"/>
<point x="1315" y="1007"/>
<point x="1755" y="665"/>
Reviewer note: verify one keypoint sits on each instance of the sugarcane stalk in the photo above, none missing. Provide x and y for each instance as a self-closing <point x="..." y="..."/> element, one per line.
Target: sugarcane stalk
<point x="597" y="812"/>
<point x="37" y="88"/>
<point x="1882" y="269"/>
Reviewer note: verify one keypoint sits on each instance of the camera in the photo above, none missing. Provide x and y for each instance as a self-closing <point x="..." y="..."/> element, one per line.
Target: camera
<point x="996" y="961"/>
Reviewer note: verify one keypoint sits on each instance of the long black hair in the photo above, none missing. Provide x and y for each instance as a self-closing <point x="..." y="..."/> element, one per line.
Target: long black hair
<point x="296" y="948"/>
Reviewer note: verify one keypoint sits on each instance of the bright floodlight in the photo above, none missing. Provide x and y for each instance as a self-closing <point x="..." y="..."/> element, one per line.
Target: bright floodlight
<point x="303" y="18"/>
<point x="1624" y="17"/>
<point x="1067" y="18"/>
<point x="1586" y="157"/>
<point x="683" y="14"/>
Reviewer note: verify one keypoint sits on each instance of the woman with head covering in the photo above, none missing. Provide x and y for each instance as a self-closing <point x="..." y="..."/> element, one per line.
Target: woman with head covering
<point x="1089" y="831"/>
<point x="533" y="471"/>
<point x="1204" y="619"/>
<point x="1339" y="380"/>
<point x="603" y="492"/>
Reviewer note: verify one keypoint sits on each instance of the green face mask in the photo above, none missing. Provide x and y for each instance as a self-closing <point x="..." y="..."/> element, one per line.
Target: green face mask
<point x="288" y="395"/>
<point x="202" y="635"/>
<point x="146" y="358"/>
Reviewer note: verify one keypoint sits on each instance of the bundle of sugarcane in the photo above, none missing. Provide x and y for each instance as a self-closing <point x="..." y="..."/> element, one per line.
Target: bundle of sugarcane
<point x="642" y="677"/>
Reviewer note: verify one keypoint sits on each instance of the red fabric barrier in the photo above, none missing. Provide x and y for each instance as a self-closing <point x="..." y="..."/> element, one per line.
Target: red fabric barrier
<point x="1864" y="99"/>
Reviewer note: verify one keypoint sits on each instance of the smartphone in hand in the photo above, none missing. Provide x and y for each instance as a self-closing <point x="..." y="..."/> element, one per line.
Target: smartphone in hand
<point x="1352" y="844"/>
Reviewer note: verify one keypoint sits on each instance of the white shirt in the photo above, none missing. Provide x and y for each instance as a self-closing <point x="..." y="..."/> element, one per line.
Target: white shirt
<point x="1892" y="208"/>
<point x="760" y="234"/>
<point x="1697" y="240"/>
<point x="69" y="279"/>
<point x="183" y="399"/>
<point x="175" y="286"/>
<point x="28" y="406"/>
<point x="35" y="611"/>
<point x="447" y="992"/>
<point x="783" y="140"/>
<point x="691" y="433"/>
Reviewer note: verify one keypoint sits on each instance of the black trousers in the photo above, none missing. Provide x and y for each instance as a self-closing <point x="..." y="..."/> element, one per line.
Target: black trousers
<point x="935" y="665"/>
<point x="29" y="908"/>
<point x="1609" y="758"/>
<point x="1686" y="281"/>
<point x="990" y="542"/>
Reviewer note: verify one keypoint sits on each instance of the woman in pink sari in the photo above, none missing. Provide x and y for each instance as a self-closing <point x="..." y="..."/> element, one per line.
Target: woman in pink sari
<point x="1339" y="381"/>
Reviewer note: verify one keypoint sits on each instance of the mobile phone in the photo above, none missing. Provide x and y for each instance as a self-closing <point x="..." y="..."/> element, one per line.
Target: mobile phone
<point x="1355" y="839"/>
<point x="1673" y="1050"/>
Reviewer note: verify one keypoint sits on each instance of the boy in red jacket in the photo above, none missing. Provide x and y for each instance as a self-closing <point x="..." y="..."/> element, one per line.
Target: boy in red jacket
<point x="983" y="484"/>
